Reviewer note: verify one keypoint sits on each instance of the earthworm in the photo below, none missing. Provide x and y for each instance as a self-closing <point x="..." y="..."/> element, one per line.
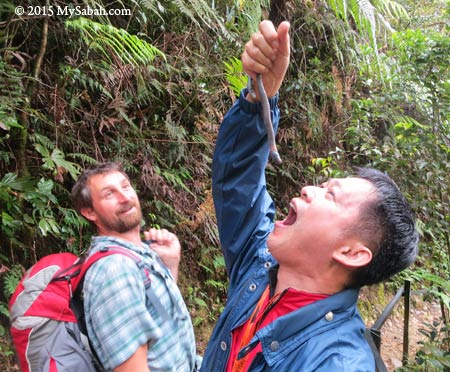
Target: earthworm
<point x="274" y="156"/>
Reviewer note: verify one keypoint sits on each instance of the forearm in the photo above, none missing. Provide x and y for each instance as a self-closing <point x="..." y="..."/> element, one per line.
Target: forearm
<point x="239" y="185"/>
<point x="174" y="271"/>
<point x="137" y="362"/>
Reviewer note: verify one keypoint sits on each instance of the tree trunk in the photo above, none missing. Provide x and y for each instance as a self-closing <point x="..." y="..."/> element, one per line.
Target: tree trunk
<point x="21" y="138"/>
<point x="279" y="11"/>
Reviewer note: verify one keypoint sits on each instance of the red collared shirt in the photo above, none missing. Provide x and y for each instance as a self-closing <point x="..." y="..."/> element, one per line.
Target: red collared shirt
<point x="270" y="309"/>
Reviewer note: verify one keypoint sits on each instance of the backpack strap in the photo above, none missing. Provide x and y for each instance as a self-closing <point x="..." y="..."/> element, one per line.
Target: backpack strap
<point x="151" y="297"/>
<point x="77" y="302"/>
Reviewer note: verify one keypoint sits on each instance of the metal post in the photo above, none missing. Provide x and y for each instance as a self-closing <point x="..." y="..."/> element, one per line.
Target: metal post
<point x="407" y="296"/>
<point x="376" y="336"/>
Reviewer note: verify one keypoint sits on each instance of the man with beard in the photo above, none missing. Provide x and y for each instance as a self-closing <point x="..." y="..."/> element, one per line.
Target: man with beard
<point x="293" y="284"/>
<point x="126" y="333"/>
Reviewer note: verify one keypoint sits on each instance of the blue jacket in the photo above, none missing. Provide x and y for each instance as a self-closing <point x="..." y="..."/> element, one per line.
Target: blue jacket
<point x="327" y="335"/>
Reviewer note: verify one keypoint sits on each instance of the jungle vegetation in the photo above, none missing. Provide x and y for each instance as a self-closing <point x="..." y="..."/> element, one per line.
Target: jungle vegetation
<point x="368" y="85"/>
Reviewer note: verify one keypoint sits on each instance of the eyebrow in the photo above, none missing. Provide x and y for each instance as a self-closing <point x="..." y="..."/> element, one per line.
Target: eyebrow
<point x="124" y="182"/>
<point x="106" y="188"/>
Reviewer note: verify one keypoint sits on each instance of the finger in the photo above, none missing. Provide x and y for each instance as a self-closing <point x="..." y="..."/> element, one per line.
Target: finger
<point x="159" y="236"/>
<point x="162" y="236"/>
<point x="265" y="43"/>
<point x="166" y="235"/>
<point x="254" y="57"/>
<point x="267" y="30"/>
<point x="152" y="234"/>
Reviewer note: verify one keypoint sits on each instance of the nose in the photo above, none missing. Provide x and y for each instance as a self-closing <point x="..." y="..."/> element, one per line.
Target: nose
<point x="124" y="196"/>
<point x="308" y="193"/>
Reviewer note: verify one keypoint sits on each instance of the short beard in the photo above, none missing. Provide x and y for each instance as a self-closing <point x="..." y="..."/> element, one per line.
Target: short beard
<point x="124" y="224"/>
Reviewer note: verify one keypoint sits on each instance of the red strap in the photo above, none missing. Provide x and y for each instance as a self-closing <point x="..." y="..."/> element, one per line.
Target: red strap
<point x="52" y="366"/>
<point x="251" y="328"/>
<point x="100" y="254"/>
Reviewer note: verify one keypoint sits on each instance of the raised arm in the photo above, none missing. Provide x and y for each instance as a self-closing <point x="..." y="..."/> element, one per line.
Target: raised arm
<point x="244" y="209"/>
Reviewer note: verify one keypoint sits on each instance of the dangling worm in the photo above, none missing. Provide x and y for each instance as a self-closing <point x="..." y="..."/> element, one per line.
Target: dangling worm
<point x="274" y="156"/>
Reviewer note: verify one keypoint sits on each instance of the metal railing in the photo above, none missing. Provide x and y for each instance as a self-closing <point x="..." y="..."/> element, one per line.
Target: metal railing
<point x="373" y="334"/>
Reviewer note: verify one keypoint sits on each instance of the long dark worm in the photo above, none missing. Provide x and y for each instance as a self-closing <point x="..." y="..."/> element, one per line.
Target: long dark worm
<point x="274" y="156"/>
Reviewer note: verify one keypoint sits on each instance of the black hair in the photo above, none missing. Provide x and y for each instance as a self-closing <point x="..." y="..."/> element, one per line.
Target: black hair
<point x="387" y="226"/>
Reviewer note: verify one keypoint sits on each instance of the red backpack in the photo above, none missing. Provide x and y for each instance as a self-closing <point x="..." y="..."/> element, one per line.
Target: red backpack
<point x="47" y="317"/>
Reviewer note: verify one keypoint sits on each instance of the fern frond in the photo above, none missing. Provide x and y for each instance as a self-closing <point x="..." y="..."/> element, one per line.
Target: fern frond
<point x="12" y="182"/>
<point x="85" y="158"/>
<point x="339" y="8"/>
<point x="184" y="8"/>
<point x="363" y="12"/>
<point x="390" y="8"/>
<point x="12" y="95"/>
<point x="12" y="279"/>
<point x="154" y="6"/>
<point x="107" y="39"/>
<point x="200" y="9"/>
<point x="52" y="157"/>
<point x="369" y="16"/>
<point x="234" y="75"/>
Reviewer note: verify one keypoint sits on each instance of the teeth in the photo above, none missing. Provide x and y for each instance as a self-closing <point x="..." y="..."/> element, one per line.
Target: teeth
<point x="292" y="207"/>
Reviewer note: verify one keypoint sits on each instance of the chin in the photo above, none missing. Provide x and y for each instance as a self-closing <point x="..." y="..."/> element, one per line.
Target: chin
<point x="271" y="242"/>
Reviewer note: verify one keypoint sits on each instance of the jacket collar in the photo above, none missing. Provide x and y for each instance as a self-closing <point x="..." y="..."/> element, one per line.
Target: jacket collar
<point x="304" y="323"/>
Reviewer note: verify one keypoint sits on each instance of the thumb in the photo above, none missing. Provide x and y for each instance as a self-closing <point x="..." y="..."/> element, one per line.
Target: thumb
<point x="283" y="38"/>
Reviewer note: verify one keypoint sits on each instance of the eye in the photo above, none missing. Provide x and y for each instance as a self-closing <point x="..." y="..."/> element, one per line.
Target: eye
<point x="107" y="194"/>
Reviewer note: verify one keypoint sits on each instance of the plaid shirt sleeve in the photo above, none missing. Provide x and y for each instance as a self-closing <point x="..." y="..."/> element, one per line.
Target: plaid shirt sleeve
<point x="116" y="316"/>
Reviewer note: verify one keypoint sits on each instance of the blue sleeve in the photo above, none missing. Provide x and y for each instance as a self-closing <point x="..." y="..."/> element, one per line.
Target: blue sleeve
<point x="244" y="209"/>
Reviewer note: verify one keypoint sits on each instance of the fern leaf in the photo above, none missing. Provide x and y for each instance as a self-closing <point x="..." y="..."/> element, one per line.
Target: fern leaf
<point x="234" y="75"/>
<point x="107" y="39"/>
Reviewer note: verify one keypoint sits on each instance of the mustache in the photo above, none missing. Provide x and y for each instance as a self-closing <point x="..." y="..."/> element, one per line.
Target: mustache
<point x="126" y="207"/>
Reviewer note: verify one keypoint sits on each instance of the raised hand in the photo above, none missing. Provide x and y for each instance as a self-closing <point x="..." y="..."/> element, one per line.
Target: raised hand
<point x="167" y="245"/>
<point x="268" y="53"/>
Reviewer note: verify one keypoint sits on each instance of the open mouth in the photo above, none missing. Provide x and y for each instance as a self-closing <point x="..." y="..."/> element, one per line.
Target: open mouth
<point x="292" y="215"/>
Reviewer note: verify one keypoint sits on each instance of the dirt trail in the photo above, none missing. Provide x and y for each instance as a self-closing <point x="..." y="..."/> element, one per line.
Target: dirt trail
<point x="421" y="312"/>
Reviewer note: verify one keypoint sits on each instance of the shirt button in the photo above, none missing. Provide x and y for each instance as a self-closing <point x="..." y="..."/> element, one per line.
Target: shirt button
<point x="223" y="345"/>
<point x="267" y="265"/>
<point x="274" y="345"/>
<point x="329" y="316"/>
<point x="252" y="287"/>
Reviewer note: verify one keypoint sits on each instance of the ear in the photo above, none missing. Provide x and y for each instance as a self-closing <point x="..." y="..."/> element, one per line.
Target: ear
<point x="353" y="255"/>
<point x="89" y="214"/>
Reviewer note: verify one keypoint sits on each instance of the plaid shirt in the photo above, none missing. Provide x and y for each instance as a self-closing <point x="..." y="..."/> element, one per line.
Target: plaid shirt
<point x="118" y="320"/>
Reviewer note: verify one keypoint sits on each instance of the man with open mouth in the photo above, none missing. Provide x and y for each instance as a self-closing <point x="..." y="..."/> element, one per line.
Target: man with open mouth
<point x="294" y="283"/>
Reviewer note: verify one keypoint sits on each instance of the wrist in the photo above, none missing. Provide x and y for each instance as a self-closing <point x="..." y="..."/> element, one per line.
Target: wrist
<point x="250" y="107"/>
